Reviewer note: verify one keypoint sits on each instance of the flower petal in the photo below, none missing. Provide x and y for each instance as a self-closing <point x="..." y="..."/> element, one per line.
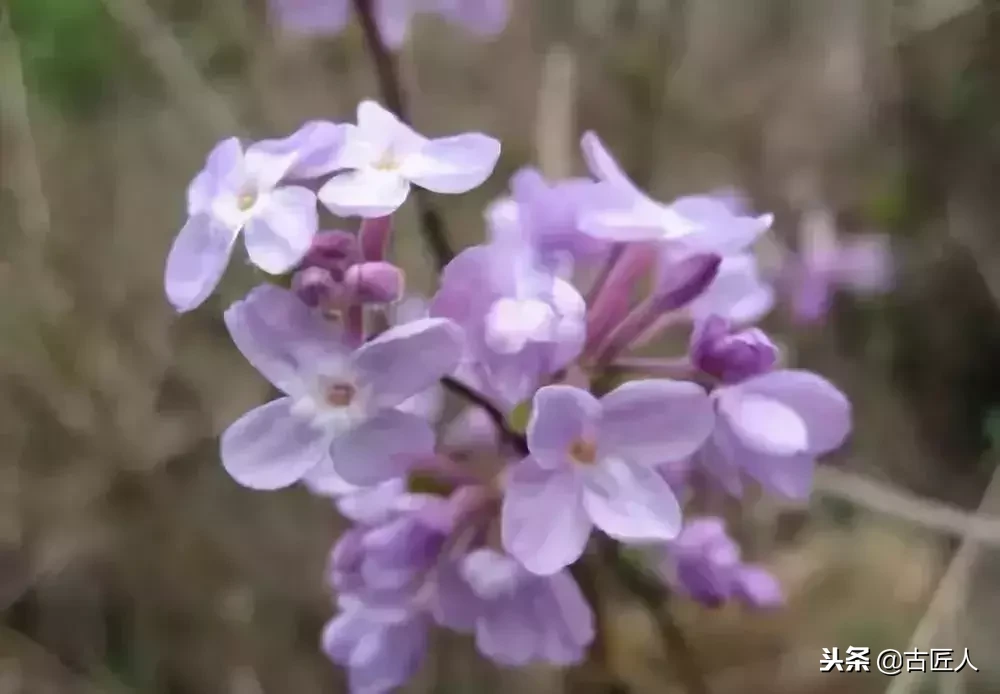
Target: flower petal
<point x="315" y="145"/>
<point x="270" y="448"/>
<point x="408" y="359"/>
<point x="382" y="448"/>
<point x="560" y="415"/>
<point x="825" y="411"/>
<point x="654" y="421"/>
<point x="737" y="293"/>
<point x="308" y="17"/>
<point x="543" y="522"/>
<point x="631" y="503"/>
<point x="223" y="162"/>
<point x="281" y="231"/>
<point x="365" y="193"/>
<point x="197" y="259"/>
<point x="762" y="423"/>
<point x="280" y="336"/>
<point x="452" y="164"/>
<point x="787" y="476"/>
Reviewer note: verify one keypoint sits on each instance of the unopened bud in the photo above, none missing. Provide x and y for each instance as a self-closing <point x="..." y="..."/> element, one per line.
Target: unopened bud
<point x="377" y="283"/>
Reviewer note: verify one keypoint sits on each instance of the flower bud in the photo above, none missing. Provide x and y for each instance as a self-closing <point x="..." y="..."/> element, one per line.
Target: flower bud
<point x="378" y="282"/>
<point x="731" y="356"/>
<point x="315" y="286"/>
<point x="333" y="251"/>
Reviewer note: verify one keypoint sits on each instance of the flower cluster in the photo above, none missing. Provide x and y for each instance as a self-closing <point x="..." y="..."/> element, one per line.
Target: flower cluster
<point x="483" y="18"/>
<point x="473" y="523"/>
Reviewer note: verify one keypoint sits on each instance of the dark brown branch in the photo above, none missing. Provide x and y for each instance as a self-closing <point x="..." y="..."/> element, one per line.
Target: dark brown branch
<point x="654" y="596"/>
<point x="516" y="440"/>
<point x="431" y="225"/>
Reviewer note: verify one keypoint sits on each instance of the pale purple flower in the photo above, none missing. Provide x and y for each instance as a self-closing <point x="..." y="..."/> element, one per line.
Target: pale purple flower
<point x="381" y="649"/>
<point x="484" y="18"/>
<point x="773" y="427"/>
<point x="737" y="293"/>
<point x="521" y="321"/>
<point x="382" y="157"/>
<point x="593" y="463"/>
<point x="548" y="216"/>
<point x="706" y="224"/>
<point x="704" y="563"/>
<point x="340" y="403"/>
<point x="238" y="191"/>
<point x="728" y="355"/>
<point x="522" y="618"/>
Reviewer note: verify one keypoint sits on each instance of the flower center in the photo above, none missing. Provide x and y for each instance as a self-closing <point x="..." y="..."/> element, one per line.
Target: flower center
<point x="387" y="162"/>
<point x="340" y="394"/>
<point x="246" y="200"/>
<point x="583" y="451"/>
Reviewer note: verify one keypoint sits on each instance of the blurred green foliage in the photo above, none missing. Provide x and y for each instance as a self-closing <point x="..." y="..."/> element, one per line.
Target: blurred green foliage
<point x="69" y="50"/>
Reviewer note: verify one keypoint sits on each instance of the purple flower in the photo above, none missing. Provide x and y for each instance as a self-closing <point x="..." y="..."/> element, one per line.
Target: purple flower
<point x="704" y="563"/>
<point x="523" y="618"/>
<point x="705" y="224"/>
<point x="238" y="191"/>
<point x="737" y="293"/>
<point x="731" y="356"/>
<point x="773" y="427"/>
<point x="383" y="157"/>
<point x="380" y="648"/>
<point x="521" y="322"/>
<point x="483" y="18"/>
<point x="340" y="403"/>
<point x="593" y="463"/>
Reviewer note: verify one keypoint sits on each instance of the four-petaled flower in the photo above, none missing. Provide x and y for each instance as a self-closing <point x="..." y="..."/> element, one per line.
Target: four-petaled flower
<point x="383" y="156"/>
<point x="593" y="463"/>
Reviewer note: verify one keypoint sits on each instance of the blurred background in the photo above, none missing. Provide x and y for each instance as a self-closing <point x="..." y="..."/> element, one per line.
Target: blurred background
<point x="130" y="562"/>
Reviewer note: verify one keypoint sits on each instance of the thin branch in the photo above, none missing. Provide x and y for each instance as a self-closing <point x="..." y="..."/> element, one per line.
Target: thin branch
<point x="431" y="224"/>
<point x="516" y="440"/>
<point x="654" y="597"/>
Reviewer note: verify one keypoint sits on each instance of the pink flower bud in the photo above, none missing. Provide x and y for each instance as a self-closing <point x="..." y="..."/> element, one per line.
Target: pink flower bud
<point x="378" y="283"/>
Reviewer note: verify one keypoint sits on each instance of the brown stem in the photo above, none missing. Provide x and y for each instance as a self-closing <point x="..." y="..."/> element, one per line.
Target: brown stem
<point x="516" y="440"/>
<point x="654" y="596"/>
<point x="431" y="225"/>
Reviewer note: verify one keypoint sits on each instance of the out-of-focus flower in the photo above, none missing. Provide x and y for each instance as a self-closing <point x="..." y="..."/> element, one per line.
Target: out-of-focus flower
<point x="383" y="157"/>
<point x="704" y="563"/>
<point x="592" y="463"/>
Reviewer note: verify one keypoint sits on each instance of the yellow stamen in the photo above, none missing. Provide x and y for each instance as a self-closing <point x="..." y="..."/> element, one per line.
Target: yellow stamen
<point x="583" y="451"/>
<point x="340" y="394"/>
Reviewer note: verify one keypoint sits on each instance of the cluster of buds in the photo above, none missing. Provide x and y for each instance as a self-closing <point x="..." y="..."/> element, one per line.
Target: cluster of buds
<point x="473" y="523"/>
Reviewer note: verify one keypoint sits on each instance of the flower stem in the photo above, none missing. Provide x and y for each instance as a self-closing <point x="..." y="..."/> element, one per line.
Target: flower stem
<point x="654" y="597"/>
<point x="432" y="226"/>
<point x="516" y="440"/>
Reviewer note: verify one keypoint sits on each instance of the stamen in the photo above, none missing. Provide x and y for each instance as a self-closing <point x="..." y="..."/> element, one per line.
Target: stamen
<point x="246" y="200"/>
<point x="387" y="162"/>
<point x="340" y="394"/>
<point x="583" y="451"/>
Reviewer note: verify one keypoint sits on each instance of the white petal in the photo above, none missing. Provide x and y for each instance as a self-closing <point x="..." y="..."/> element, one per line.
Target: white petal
<point x="282" y="229"/>
<point x="365" y="193"/>
<point x="453" y="164"/>
<point x="631" y="503"/>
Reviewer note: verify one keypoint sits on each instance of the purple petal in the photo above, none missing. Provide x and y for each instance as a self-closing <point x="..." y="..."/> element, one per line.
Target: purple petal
<point x="787" y="476"/>
<point x="723" y="230"/>
<point x="757" y="587"/>
<point x="280" y="233"/>
<point x="544" y="525"/>
<point x="373" y="505"/>
<point x="600" y="162"/>
<point x="631" y="503"/>
<point x="312" y="17"/>
<point x="865" y="263"/>
<point x="408" y="359"/>
<point x="719" y="459"/>
<point x="315" y="145"/>
<point x="560" y="415"/>
<point x="453" y="164"/>
<point x="280" y="336"/>
<point x="737" y="293"/>
<point x="822" y="410"/>
<point x="570" y="620"/>
<point x="481" y="17"/>
<point x="270" y="448"/>
<point x="655" y="420"/>
<point x="366" y="193"/>
<point x="393" y="18"/>
<point x="507" y="634"/>
<point x="222" y="163"/>
<point x="197" y="259"/>
<point x="383" y="447"/>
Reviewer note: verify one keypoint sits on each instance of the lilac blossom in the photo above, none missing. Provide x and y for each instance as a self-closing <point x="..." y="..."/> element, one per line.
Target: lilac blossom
<point x="238" y="191"/>
<point x="340" y="403"/>
<point x="483" y="18"/>
<point x="728" y="355"/>
<point x="703" y="562"/>
<point x="382" y="157"/>
<point x="592" y="463"/>
<point x="773" y="427"/>
<point x="738" y="292"/>
<point x="827" y="261"/>
<point x="522" y="322"/>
